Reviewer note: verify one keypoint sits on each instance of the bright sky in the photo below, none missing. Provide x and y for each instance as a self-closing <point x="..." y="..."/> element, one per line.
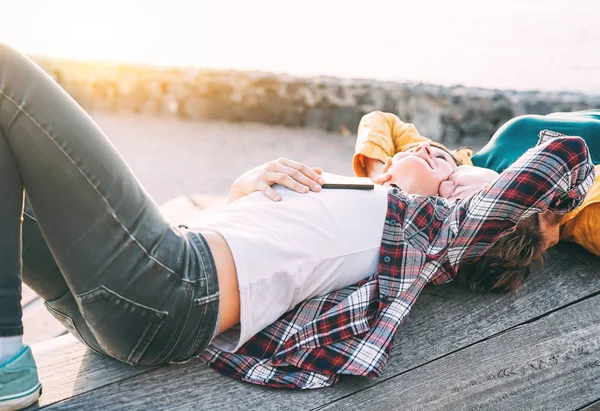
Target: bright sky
<point x="511" y="43"/>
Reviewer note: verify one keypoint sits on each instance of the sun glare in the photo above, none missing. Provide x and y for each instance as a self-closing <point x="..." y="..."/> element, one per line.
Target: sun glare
<point x="472" y="42"/>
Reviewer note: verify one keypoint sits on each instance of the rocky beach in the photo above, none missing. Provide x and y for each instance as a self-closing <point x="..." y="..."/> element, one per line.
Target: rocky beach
<point x="454" y="115"/>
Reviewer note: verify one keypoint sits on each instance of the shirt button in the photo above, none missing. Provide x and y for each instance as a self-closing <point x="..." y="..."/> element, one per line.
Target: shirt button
<point x="387" y="259"/>
<point x="392" y="222"/>
<point x="395" y="191"/>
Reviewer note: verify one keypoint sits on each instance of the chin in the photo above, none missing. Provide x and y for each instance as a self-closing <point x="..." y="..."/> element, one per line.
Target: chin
<point x="415" y="176"/>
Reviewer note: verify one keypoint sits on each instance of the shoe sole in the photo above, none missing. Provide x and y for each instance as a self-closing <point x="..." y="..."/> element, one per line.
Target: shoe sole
<point x="21" y="402"/>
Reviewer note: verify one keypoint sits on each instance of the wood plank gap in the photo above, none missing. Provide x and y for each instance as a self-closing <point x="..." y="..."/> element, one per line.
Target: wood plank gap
<point x="30" y="303"/>
<point x="65" y="332"/>
<point x="539" y="317"/>
<point x="591" y="406"/>
<point x="527" y="322"/>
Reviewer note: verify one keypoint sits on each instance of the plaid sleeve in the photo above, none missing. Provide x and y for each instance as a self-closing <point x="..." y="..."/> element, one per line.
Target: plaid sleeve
<point x="554" y="176"/>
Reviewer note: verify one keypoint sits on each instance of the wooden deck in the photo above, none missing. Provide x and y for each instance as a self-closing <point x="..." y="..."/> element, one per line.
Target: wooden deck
<point x="537" y="349"/>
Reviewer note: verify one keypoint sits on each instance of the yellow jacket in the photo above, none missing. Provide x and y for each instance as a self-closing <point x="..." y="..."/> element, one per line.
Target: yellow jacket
<point x="582" y="225"/>
<point x="381" y="135"/>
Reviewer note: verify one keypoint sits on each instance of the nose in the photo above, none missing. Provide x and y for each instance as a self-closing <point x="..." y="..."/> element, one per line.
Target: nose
<point x="424" y="149"/>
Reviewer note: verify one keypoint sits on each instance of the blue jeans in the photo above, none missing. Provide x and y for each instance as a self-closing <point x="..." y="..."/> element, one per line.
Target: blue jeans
<point x="92" y="243"/>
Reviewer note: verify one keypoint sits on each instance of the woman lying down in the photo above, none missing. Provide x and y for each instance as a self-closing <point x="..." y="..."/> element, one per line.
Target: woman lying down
<point x="290" y="293"/>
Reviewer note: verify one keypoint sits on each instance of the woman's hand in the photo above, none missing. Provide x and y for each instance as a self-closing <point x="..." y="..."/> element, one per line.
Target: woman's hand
<point x="466" y="181"/>
<point x="373" y="167"/>
<point x="288" y="173"/>
<point x="383" y="176"/>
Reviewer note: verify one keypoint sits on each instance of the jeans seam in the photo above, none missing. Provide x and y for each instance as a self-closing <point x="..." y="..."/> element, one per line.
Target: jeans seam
<point x="112" y="211"/>
<point x="183" y="320"/>
<point x="70" y="320"/>
<point x="207" y="264"/>
<point x="155" y="322"/>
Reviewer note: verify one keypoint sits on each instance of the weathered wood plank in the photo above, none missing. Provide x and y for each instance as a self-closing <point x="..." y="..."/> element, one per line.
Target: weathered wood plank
<point x="446" y="319"/>
<point x="38" y="324"/>
<point x="27" y="296"/>
<point x="182" y="387"/>
<point x="66" y="368"/>
<point x="551" y="363"/>
<point x="595" y="406"/>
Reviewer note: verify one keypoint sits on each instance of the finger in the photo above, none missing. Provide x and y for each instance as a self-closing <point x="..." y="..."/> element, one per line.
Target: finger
<point x="383" y="178"/>
<point x="387" y="165"/>
<point x="446" y="189"/>
<point x="299" y="177"/>
<point x="277" y="177"/>
<point x="318" y="170"/>
<point x="305" y="170"/>
<point x="280" y="177"/>
<point x="268" y="191"/>
<point x="292" y="184"/>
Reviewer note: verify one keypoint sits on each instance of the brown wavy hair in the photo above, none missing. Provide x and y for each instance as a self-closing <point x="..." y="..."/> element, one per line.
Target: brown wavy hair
<point x="509" y="262"/>
<point x="442" y="147"/>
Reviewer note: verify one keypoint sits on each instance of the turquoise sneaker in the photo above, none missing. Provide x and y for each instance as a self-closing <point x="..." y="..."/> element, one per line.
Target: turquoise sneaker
<point x="19" y="383"/>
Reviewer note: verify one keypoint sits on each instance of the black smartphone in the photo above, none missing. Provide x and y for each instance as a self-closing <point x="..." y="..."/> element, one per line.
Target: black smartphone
<point x="334" y="181"/>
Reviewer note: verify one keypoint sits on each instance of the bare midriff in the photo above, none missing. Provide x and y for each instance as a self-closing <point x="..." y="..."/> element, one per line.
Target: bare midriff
<point x="229" y="293"/>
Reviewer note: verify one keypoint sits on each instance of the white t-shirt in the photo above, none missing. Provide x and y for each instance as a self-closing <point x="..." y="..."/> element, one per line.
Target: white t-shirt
<point x="303" y="246"/>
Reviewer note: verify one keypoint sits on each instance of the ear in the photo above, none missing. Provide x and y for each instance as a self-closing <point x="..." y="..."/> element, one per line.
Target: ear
<point x="464" y="154"/>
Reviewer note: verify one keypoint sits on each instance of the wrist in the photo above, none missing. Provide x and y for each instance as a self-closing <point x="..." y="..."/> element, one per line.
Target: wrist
<point x="373" y="167"/>
<point x="234" y="193"/>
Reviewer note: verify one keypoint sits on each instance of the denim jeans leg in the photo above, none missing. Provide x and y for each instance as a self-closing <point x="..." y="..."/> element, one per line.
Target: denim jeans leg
<point x="135" y="277"/>
<point x="42" y="275"/>
<point x="40" y="271"/>
<point x="11" y="209"/>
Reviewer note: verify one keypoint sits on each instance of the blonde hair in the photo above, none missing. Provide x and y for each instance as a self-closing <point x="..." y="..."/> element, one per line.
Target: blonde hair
<point x="509" y="262"/>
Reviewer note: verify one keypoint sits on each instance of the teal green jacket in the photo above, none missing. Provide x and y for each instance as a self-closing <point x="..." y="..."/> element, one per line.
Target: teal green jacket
<point x="521" y="133"/>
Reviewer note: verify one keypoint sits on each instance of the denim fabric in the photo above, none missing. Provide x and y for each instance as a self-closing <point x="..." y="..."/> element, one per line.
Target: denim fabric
<point x="92" y="243"/>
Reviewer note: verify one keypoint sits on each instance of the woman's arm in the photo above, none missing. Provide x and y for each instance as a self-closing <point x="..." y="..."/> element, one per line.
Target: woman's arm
<point x="289" y="173"/>
<point x="381" y="135"/>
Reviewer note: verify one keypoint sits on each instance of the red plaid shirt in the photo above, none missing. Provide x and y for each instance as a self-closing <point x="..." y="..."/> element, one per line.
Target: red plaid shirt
<point x="425" y="239"/>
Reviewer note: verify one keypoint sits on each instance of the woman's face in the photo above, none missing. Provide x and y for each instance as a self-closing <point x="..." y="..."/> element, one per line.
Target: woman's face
<point x="422" y="170"/>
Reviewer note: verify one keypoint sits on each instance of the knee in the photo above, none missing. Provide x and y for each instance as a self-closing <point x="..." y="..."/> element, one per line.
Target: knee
<point x="523" y="121"/>
<point x="520" y="126"/>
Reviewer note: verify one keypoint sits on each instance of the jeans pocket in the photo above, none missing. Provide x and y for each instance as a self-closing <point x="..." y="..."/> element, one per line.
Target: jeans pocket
<point x="123" y="328"/>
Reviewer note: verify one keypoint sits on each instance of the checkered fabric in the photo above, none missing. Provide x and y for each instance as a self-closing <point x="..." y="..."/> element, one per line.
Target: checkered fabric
<point x="425" y="239"/>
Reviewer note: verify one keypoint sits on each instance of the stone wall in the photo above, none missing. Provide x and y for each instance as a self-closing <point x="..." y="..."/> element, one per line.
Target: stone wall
<point x="455" y="115"/>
